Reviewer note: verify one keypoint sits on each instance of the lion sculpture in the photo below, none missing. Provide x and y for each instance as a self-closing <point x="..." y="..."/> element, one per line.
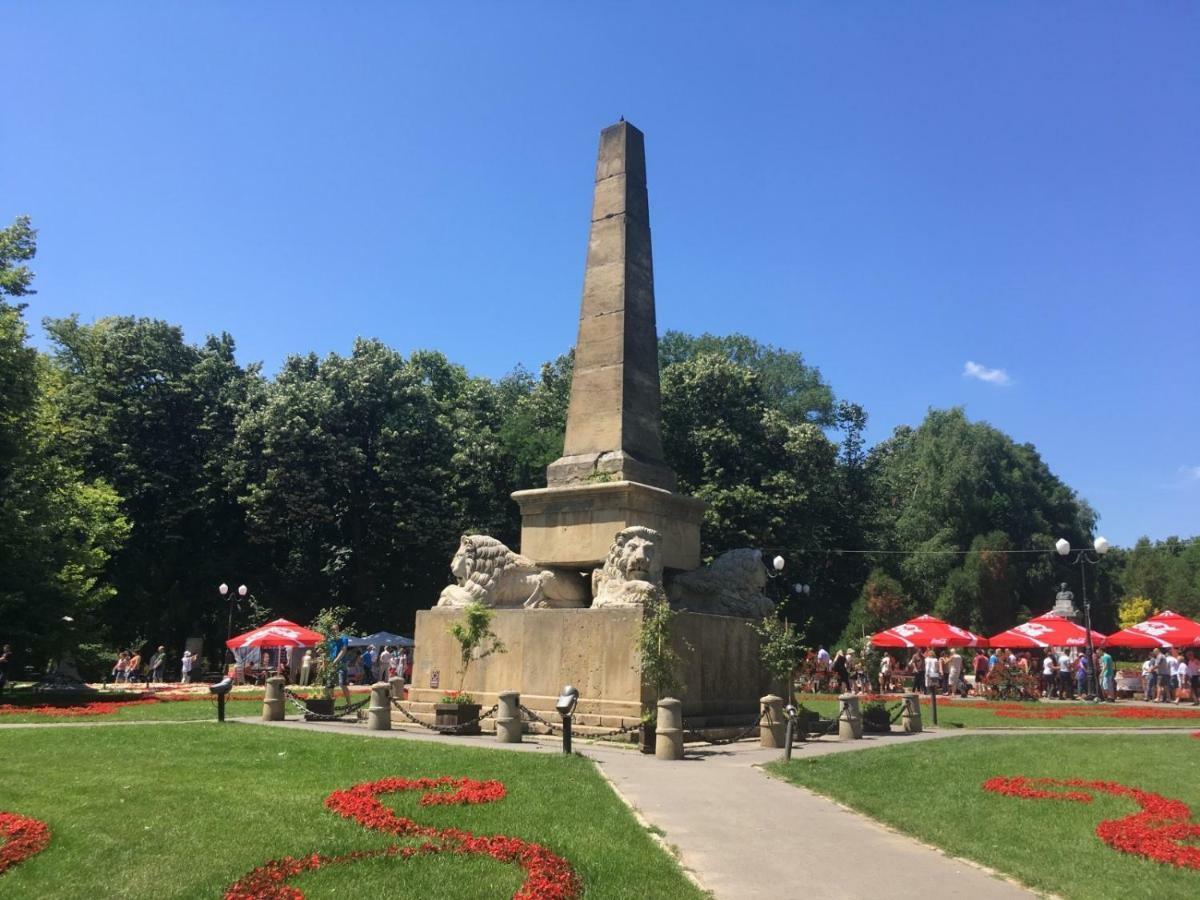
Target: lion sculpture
<point x="633" y="572"/>
<point x="731" y="585"/>
<point x="490" y="573"/>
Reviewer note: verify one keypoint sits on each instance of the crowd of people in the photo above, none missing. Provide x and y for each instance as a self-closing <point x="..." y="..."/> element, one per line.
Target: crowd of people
<point x="1060" y="673"/>
<point x="365" y="666"/>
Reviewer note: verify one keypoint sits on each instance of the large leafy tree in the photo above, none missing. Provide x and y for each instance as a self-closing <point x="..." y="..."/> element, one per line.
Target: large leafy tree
<point x="156" y="417"/>
<point x="58" y="527"/>
<point x="361" y="473"/>
<point x="953" y="499"/>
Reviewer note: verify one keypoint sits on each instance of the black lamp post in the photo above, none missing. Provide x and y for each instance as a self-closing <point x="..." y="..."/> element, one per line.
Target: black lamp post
<point x="240" y="594"/>
<point x="1091" y="557"/>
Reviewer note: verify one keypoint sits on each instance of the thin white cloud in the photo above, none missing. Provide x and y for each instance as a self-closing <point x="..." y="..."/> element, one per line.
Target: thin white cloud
<point x="1190" y="473"/>
<point x="983" y="373"/>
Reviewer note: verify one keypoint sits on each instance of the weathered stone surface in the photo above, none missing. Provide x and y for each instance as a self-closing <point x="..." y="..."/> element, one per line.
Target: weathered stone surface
<point x="614" y="417"/>
<point x="574" y="526"/>
<point x="592" y="649"/>
<point x="731" y="585"/>
<point x="633" y="572"/>
<point x="490" y="573"/>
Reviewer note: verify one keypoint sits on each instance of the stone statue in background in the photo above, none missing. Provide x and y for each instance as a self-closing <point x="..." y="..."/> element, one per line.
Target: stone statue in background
<point x="731" y="585"/>
<point x="490" y="573"/>
<point x="1064" y="603"/>
<point x="633" y="572"/>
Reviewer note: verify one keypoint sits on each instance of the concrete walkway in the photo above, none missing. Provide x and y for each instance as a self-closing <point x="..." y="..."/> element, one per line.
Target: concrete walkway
<point x="743" y="834"/>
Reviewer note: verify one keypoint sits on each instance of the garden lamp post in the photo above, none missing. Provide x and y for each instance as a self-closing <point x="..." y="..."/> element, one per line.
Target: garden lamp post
<point x="241" y="593"/>
<point x="1091" y="557"/>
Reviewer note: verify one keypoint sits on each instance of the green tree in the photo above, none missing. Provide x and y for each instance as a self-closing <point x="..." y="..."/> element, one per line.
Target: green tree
<point x="58" y="528"/>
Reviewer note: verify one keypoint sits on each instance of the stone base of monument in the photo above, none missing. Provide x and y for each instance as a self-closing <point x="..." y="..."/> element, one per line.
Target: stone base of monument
<point x="594" y="650"/>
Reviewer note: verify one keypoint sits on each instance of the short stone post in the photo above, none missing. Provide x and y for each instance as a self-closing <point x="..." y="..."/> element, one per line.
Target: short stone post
<point x="668" y="732"/>
<point x="508" y="718"/>
<point x="379" y="713"/>
<point x="850" y="726"/>
<point x="396" y="687"/>
<point x="912" y="714"/>
<point x="770" y="732"/>
<point x="273" y="700"/>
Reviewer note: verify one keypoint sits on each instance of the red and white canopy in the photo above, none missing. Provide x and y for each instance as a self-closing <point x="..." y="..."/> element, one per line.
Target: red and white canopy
<point x="1167" y="629"/>
<point x="926" y="631"/>
<point x="1046" y="631"/>
<point x="280" y="633"/>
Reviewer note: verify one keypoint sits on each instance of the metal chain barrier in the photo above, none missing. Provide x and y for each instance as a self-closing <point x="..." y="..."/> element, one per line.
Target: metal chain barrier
<point x="689" y="735"/>
<point x="338" y="713"/>
<point x="897" y="712"/>
<point x="531" y="716"/>
<point x="444" y="729"/>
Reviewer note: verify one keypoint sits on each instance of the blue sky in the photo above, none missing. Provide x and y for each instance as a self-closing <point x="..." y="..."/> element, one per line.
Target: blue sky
<point x="899" y="191"/>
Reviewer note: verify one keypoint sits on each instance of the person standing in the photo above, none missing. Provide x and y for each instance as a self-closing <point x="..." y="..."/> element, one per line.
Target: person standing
<point x="933" y="671"/>
<point x="1108" y="678"/>
<point x="1193" y="674"/>
<point x="305" y="667"/>
<point x="158" y="663"/>
<point x="5" y="660"/>
<point x="1163" y="665"/>
<point x="981" y="671"/>
<point x="954" y="670"/>
<point x="336" y="652"/>
<point x="385" y="664"/>
<point x="133" y="668"/>
<point x="185" y="666"/>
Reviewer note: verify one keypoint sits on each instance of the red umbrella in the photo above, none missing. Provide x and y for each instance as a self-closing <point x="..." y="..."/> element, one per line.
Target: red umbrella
<point x="1167" y="629"/>
<point x="280" y="633"/>
<point x="926" y="631"/>
<point x="1046" y="631"/>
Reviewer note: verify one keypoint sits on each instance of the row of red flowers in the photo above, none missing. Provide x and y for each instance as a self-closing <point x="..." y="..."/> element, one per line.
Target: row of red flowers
<point x="102" y="706"/>
<point x="547" y="875"/>
<point x="23" y="837"/>
<point x="1162" y="831"/>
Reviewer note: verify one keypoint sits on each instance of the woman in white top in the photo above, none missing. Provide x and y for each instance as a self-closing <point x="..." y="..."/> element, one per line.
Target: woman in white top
<point x="186" y="663"/>
<point x="933" y="671"/>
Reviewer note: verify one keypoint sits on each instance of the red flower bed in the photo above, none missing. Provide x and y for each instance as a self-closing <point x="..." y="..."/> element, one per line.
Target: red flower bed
<point x="547" y="875"/>
<point x="23" y="837"/>
<point x="93" y="708"/>
<point x="1161" y="831"/>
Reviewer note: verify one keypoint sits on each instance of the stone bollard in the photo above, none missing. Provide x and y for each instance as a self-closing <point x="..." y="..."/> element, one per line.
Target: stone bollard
<point x="850" y="726"/>
<point x="396" y="687"/>
<point x="912" y="714"/>
<point x="668" y="731"/>
<point x="508" y="718"/>
<point x="770" y="732"/>
<point x="273" y="700"/>
<point x="379" y="712"/>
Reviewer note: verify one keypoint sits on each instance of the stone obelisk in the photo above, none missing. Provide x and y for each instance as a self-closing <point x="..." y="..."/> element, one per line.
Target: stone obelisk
<point x="611" y="474"/>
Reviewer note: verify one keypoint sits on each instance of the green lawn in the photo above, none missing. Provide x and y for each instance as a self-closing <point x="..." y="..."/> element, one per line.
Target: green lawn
<point x="146" y="811"/>
<point x="973" y="713"/>
<point x="933" y="791"/>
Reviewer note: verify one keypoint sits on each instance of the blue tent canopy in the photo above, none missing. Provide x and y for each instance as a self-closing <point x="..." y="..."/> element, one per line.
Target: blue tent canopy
<point x="382" y="639"/>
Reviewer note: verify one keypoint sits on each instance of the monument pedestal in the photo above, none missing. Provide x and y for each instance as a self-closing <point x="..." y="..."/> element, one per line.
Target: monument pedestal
<point x="574" y="525"/>
<point x="596" y="651"/>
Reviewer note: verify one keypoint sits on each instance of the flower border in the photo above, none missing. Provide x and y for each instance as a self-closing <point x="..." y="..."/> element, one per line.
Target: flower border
<point x="1162" y="831"/>
<point x="24" y="837"/>
<point x="547" y="875"/>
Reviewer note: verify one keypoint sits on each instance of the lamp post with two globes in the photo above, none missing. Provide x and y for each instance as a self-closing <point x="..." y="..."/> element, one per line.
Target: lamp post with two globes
<point x="234" y="597"/>
<point x="1091" y="557"/>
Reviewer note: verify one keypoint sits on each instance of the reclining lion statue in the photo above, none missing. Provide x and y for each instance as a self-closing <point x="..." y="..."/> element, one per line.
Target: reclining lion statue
<point x="490" y="573"/>
<point x="633" y="572"/>
<point x="731" y="585"/>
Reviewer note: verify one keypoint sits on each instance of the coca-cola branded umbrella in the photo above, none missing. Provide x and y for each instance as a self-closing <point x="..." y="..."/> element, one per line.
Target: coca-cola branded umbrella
<point x="1046" y="631"/>
<point x="927" y="631"/>
<point x="280" y="633"/>
<point x="1167" y="629"/>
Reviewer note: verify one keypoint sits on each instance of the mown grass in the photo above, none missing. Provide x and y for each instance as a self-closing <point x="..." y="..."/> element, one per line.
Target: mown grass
<point x="932" y="790"/>
<point x="974" y="713"/>
<point x="149" y="811"/>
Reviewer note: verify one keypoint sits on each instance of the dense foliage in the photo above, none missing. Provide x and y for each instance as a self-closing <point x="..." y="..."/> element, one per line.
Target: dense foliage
<point x="138" y="471"/>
